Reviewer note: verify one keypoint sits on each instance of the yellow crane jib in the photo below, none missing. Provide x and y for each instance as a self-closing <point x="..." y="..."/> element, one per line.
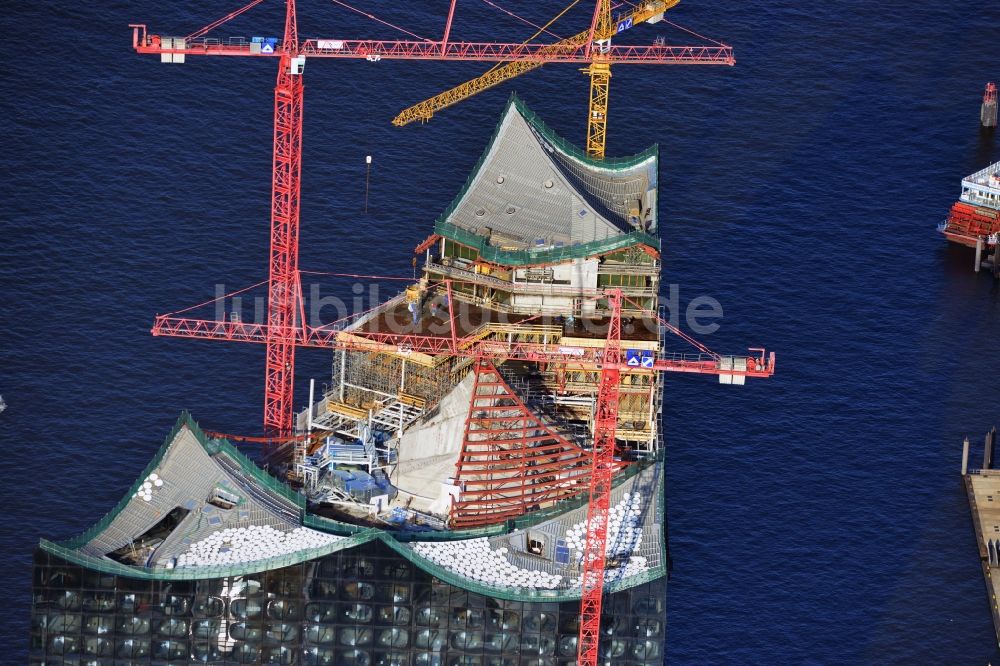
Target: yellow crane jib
<point x="423" y="111"/>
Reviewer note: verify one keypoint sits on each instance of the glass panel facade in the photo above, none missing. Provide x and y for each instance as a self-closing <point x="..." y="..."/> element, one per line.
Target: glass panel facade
<point x="365" y="606"/>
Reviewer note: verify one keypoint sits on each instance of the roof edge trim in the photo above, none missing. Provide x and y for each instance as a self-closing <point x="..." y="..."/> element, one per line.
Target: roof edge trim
<point x="514" y="594"/>
<point x="106" y="565"/>
<point x="202" y="573"/>
<point x="570" y="149"/>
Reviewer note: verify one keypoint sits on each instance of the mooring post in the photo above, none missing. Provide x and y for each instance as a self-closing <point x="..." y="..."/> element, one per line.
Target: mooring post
<point x="987" y="453"/>
<point x="979" y="253"/>
<point x="988" y="449"/>
<point x="965" y="457"/>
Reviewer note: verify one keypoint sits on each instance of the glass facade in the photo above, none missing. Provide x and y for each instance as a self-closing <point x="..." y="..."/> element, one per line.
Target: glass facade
<point x="365" y="606"/>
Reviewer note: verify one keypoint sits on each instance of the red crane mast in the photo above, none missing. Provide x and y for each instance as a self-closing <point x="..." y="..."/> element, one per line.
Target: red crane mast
<point x="602" y="469"/>
<point x="286" y="191"/>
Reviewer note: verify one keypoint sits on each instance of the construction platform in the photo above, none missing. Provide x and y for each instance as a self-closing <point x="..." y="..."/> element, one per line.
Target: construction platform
<point x="470" y="319"/>
<point x="982" y="487"/>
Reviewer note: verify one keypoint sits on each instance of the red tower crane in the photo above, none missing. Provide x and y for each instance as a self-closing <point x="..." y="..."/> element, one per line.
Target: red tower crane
<point x="286" y="326"/>
<point x="283" y="285"/>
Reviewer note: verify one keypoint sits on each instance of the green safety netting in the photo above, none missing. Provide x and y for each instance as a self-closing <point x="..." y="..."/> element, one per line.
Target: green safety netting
<point x="105" y="565"/>
<point x="569" y="148"/>
<point x="184" y="420"/>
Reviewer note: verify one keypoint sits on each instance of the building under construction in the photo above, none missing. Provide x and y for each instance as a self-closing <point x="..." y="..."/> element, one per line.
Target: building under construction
<point x="481" y="481"/>
<point x="444" y="499"/>
<point x="523" y="255"/>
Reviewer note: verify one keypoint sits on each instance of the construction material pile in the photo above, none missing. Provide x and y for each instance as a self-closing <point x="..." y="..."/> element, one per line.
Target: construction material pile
<point x="473" y="558"/>
<point x="239" y="545"/>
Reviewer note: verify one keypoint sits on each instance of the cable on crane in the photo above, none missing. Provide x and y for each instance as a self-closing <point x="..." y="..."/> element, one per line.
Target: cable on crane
<point x="354" y="275"/>
<point x="215" y="24"/>
<point x="258" y="439"/>
<point x="692" y="32"/>
<point x="520" y="18"/>
<point x="218" y="298"/>
<point x="370" y="310"/>
<point x="673" y="329"/>
<point x="680" y="27"/>
<point x="378" y="20"/>
<point x="538" y="32"/>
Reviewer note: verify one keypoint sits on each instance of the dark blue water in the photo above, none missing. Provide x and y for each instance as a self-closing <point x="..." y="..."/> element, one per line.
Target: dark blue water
<point x="814" y="518"/>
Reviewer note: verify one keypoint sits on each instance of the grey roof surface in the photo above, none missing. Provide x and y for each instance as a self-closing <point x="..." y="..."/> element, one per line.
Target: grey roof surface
<point x="533" y="189"/>
<point x="188" y="475"/>
<point x="190" y="465"/>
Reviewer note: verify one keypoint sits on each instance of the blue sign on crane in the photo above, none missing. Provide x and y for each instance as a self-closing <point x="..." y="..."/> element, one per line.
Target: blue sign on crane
<point x="639" y="358"/>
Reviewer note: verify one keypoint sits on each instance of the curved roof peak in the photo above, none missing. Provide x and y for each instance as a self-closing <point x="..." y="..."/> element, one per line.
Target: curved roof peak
<point x="532" y="189"/>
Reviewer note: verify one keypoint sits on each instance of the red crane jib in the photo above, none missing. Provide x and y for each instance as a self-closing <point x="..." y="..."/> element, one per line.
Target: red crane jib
<point x="375" y="49"/>
<point x="759" y="365"/>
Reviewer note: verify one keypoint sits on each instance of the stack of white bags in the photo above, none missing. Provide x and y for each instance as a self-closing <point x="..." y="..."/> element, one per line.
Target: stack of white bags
<point x="149" y="484"/>
<point x="238" y="545"/>
<point x="474" y="559"/>
<point x="624" y="537"/>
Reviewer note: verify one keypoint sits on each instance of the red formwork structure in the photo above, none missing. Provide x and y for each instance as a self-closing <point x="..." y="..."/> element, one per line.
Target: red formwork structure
<point x="510" y="458"/>
<point x="286" y="326"/>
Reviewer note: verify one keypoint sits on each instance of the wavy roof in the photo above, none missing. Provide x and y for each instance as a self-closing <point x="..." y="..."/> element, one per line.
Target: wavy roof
<point x="191" y="465"/>
<point x="533" y="190"/>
